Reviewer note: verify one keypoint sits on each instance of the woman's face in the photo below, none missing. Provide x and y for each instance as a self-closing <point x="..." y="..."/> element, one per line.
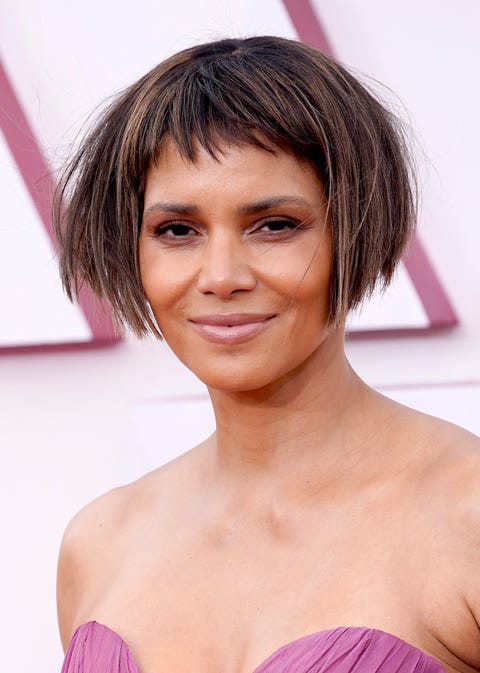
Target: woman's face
<point x="235" y="260"/>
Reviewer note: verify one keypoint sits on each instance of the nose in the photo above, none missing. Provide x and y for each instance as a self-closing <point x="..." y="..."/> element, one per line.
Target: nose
<point x="225" y="267"/>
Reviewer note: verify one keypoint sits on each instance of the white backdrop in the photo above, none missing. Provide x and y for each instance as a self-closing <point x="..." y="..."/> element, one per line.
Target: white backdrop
<point x="74" y="424"/>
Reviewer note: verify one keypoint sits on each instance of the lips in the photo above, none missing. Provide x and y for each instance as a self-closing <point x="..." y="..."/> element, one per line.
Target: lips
<point x="231" y="319"/>
<point x="231" y="328"/>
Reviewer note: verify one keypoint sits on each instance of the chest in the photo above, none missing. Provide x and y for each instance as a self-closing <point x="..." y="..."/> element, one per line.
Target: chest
<point x="224" y="595"/>
<point x="228" y="599"/>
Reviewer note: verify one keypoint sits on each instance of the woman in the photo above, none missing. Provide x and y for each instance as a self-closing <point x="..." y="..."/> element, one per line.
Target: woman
<point x="239" y="200"/>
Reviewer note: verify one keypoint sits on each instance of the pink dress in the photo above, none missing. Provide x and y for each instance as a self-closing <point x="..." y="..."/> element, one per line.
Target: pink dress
<point x="94" y="648"/>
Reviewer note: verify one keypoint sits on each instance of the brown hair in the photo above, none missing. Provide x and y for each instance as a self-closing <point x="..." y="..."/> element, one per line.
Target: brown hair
<point x="239" y="91"/>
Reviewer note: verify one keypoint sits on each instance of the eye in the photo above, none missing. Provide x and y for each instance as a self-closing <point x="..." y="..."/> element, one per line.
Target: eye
<point x="277" y="226"/>
<point x="175" y="230"/>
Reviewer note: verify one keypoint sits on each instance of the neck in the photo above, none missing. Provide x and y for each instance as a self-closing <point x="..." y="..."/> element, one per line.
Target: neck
<point x="274" y="439"/>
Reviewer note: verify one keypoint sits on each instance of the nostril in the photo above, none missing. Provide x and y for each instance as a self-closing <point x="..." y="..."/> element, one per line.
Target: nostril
<point x="225" y="277"/>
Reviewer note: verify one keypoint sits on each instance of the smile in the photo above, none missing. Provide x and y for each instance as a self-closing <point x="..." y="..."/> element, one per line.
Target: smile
<point x="231" y="329"/>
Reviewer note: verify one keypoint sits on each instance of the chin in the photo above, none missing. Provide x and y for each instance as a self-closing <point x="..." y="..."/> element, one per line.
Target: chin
<point x="246" y="371"/>
<point x="246" y="377"/>
<point x="235" y="381"/>
<point x="235" y="376"/>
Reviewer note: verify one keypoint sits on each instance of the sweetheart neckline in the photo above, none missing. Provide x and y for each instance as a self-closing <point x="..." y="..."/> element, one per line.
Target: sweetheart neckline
<point x="279" y="649"/>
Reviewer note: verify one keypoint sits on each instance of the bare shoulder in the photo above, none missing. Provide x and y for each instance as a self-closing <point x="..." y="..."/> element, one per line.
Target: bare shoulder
<point x="87" y="545"/>
<point x="441" y="465"/>
<point x="454" y="462"/>
<point x="454" y="482"/>
<point x="449" y="493"/>
<point x="105" y="533"/>
<point x="448" y="460"/>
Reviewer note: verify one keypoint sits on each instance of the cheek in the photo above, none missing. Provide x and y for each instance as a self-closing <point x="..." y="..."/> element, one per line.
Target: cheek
<point x="307" y="283"/>
<point x="164" y="280"/>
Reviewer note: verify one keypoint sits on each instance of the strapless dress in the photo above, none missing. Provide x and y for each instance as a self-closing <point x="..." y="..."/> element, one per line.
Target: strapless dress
<point x="95" y="648"/>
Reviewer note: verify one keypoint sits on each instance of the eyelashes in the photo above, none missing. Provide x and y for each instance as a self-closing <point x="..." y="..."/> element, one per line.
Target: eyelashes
<point x="280" y="225"/>
<point x="174" y="230"/>
<point x="272" y="228"/>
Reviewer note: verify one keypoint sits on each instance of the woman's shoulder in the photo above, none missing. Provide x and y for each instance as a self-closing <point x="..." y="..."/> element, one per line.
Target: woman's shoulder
<point x="441" y="465"/>
<point x="455" y="480"/>
<point x="447" y="457"/>
<point x="449" y="496"/>
<point x="447" y="480"/>
<point x="90" y="540"/>
<point x="95" y="521"/>
<point x="101" y="534"/>
<point x="453" y="455"/>
<point x="111" y="515"/>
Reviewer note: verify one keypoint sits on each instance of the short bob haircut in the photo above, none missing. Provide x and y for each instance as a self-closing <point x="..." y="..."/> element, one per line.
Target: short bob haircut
<point x="268" y="92"/>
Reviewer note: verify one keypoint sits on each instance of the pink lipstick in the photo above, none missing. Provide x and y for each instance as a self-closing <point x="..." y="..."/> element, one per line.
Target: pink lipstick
<point x="231" y="328"/>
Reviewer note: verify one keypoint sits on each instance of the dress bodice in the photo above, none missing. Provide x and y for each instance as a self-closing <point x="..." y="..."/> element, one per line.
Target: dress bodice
<point x="95" y="648"/>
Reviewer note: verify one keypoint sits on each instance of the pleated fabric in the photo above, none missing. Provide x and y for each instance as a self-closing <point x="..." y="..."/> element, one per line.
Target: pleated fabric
<point x="349" y="650"/>
<point x="95" y="648"/>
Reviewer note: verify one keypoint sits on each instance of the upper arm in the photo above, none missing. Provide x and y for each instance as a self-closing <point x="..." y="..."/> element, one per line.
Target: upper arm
<point x="467" y="501"/>
<point x="87" y="552"/>
<point x="69" y="577"/>
<point x="473" y="576"/>
<point x="452" y="603"/>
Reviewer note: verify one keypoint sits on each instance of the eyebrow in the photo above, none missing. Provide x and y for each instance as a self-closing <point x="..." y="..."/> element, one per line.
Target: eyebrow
<point x="169" y="207"/>
<point x="248" y="209"/>
<point x="273" y="202"/>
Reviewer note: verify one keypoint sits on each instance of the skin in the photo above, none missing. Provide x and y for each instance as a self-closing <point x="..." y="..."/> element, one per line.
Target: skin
<point x="317" y="502"/>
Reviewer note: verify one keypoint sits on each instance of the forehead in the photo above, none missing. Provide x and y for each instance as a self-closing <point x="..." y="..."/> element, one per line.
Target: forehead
<point x="233" y="172"/>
